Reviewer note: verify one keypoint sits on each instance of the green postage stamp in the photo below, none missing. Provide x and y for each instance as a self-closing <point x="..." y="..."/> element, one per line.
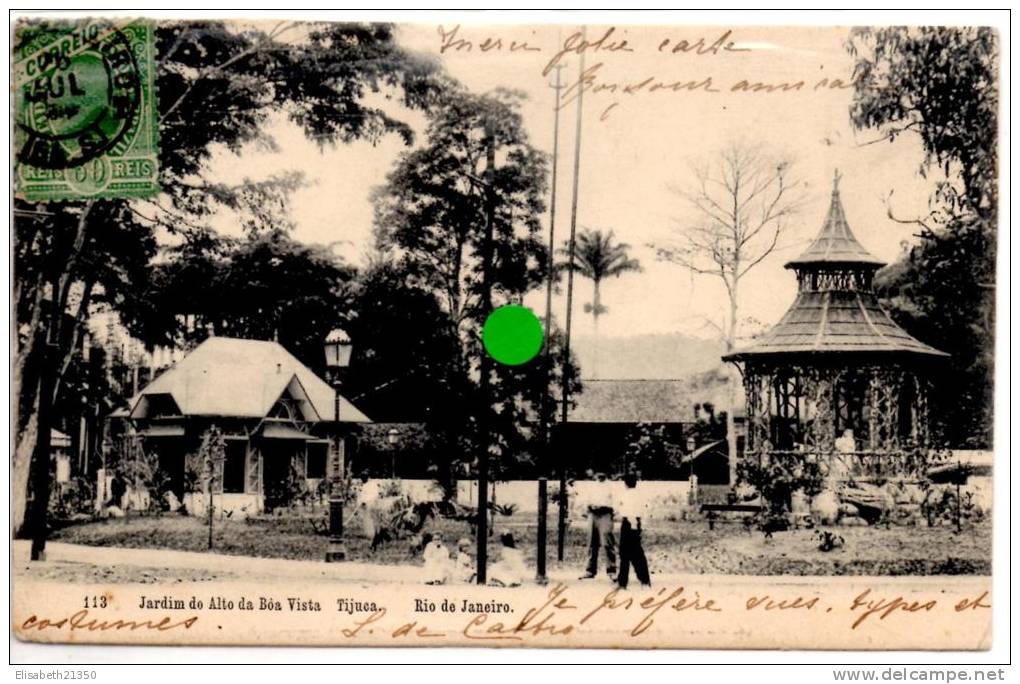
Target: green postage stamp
<point x="85" y="110"/>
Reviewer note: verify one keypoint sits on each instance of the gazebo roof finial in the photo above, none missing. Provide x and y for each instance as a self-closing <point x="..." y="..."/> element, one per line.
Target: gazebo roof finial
<point x="835" y="242"/>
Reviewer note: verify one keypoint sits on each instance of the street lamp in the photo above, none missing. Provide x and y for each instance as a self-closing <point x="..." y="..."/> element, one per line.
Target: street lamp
<point x="338" y="350"/>
<point x="392" y="437"/>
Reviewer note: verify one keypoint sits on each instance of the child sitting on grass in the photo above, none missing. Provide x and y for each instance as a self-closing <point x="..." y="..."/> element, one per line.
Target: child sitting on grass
<point x="437" y="561"/>
<point x="464" y="565"/>
<point x="510" y="570"/>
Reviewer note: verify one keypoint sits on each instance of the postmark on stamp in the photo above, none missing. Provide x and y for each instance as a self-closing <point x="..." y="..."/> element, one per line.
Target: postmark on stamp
<point x="85" y="113"/>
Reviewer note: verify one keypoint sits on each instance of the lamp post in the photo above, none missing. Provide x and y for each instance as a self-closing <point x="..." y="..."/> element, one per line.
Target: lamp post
<point x="392" y="437"/>
<point x="338" y="350"/>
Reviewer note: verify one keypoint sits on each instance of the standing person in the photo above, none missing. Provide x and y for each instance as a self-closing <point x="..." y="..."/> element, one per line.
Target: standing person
<point x="368" y="506"/>
<point x="839" y="466"/>
<point x="846" y="444"/>
<point x="600" y="513"/>
<point x="632" y="509"/>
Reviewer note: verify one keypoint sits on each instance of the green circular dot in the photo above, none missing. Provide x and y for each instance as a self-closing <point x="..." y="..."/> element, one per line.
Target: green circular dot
<point x="512" y="335"/>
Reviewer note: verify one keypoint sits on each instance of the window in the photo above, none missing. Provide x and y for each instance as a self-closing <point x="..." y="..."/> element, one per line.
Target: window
<point x="235" y="455"/>
<point x="315" y="460"/>
<point x="160" y="406"/>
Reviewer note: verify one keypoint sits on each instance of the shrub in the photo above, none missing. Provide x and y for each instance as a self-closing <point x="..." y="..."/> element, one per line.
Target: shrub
<point x="775" y="479"/>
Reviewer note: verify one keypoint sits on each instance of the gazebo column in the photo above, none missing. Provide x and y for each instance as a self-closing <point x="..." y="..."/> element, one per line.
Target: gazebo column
<point x="873" y="402"/>
<point x="919" y="412"/>
<point x="757" y="390"/>
<point x="785" y="388"/>
<point x="884" y="408"/>
<point x="819" y="385"/>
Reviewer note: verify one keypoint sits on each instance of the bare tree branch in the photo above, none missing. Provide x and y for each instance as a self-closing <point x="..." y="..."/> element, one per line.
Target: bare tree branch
<point x="742" y="201"/>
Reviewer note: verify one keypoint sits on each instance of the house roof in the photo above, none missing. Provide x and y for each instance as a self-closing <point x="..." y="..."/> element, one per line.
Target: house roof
<point x="835" y="242"/>
<point x="225" y="376"/>
<point x="717" y="445"/>
<point x="639" y="401"/>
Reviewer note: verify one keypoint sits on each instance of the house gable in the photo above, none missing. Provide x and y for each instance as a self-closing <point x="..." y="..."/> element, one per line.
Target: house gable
<point x="156" y="405"/>
<point x="244" y="378"/>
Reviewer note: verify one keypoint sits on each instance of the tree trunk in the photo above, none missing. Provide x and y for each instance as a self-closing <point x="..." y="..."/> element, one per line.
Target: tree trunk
<point x="21" y="466"/>
<point x="596" y="304"/>
<point x="734" y="383"/>
<point x="41" y="475"/>
<point x="25" y="389"/>
<point x="30" y="365"/>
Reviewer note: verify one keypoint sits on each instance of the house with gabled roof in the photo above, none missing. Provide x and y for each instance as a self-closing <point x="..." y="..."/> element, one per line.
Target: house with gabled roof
<point x="277" y="418"/>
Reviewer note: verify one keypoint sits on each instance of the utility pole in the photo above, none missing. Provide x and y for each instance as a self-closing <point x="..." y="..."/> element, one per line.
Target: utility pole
<point x="562" y="527"/>
<point x="485" y="365"/>
<point x="548" y="410"/>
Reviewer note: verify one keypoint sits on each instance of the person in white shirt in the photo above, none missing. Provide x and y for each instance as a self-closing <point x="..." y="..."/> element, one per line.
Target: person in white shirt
<point x="600" y="513"/>
<point x="368" y="508"/>
<point x="632" y="507"/>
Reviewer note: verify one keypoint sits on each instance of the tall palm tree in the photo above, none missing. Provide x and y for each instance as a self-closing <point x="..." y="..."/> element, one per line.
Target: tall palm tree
<point x="597" y="257"/>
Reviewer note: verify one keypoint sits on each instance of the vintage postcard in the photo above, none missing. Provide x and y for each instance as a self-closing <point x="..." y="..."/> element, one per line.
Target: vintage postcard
<point x="467" y="334"/>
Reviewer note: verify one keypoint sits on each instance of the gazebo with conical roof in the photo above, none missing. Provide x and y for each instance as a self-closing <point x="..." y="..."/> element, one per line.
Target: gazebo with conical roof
<point x="836" y="361"/>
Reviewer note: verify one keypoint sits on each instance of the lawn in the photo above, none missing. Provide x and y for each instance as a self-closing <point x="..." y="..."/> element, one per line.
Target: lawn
<point x="685" y="546"/>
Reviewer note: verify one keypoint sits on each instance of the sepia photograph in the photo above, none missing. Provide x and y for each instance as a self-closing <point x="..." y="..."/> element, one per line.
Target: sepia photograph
<point x="461" y="332"/>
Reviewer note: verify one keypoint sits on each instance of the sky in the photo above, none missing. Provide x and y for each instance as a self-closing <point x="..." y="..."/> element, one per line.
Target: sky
<point x="636" y="149"/>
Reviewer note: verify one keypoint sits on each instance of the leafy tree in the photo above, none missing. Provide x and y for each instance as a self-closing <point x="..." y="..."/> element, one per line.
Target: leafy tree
<point x="651" y="453"/>
<point x="940" y="84"/>
<point x="404" y="362"/>
<point x="265" y="286"/>
<point x="519" y="393"/>
<point x="277" y="288"/>
<point x="432" y="217"/>
<point x="216" y="84"/>
<point x="405" y="367"/>
<point x="597" y="257"/>
<point x="432" y="213"/>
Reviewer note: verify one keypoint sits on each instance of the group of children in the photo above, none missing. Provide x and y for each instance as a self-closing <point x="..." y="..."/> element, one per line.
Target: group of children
<point x="602" y="504"/>
<point x="440" y="567"/>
